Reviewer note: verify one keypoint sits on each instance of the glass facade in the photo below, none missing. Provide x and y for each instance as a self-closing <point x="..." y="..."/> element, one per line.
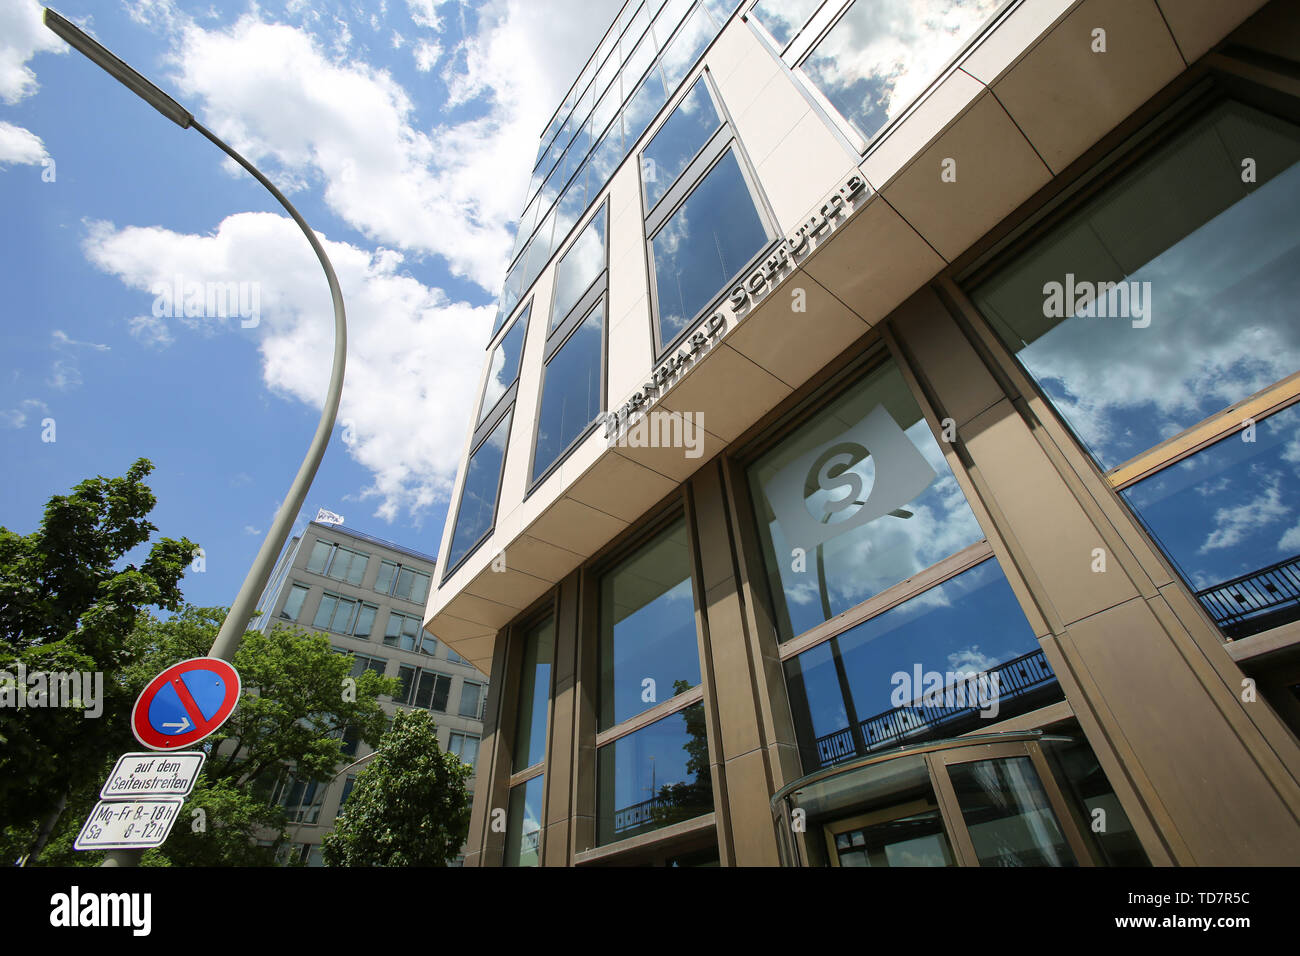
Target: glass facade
<point x="633" y="73"/>
<point x="857" y="498"/>
<point x="879" y="58"/>
<point x="534" y="696"/>
<point x="648" y="647"/>
<point x="478" y="498"/>
<point x="571" y="391"/>
<point x="956" y="656"/>
<point x="654" y="777"/>
<point x="1165" y="300"/>
<point x="523" y="842"/>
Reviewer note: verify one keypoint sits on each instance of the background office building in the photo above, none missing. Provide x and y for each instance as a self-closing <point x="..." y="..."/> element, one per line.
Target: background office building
<point x="366" y="595"/>
<point x="888" y="448"/>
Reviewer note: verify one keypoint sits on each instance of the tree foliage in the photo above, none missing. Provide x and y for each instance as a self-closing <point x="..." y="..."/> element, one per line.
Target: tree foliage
<point x="69" y="603"/>
<point x="410" y="806"/>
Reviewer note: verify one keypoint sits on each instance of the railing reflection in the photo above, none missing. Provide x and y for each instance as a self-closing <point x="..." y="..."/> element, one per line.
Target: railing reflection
<point x="929" y="713"/>
<point x="1256" y="601"/>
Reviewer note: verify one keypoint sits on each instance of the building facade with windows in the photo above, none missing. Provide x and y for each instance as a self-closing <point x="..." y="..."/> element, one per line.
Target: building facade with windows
<point x="367" y="596"/>
<point x="889" y="450"/>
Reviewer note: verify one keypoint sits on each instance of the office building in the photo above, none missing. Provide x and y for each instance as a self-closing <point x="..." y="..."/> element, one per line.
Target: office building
<point x="366" y="595"/>
<point x="888" y="447"/>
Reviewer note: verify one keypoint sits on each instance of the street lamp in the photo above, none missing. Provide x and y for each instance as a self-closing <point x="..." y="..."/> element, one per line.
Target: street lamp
<point x="241" y="611"/>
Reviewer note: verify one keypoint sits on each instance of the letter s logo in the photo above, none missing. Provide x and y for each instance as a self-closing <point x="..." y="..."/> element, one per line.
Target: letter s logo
<point x="866" y="472"/>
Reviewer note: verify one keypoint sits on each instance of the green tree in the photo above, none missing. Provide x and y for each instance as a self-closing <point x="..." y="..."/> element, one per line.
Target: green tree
<point x="69" y="603"/>
<point x="410" y="806"/>
<point x="298" y="697"/>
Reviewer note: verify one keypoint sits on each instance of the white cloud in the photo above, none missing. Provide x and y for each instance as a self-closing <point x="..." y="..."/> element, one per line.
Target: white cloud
<point x="19" y="145"/>
<point x="64" y="374"/>
<point x="150" y="331"/>
<point x="62" y="338"/>
<point x="22" y="36"/>
<point x="422" y="14"/>
<point x="1231" y="525"/>
<point x="17" y="417"/>
<point x="426" y="54"/>
<point x="249" y="529"/>
<point x="413" y="356"/>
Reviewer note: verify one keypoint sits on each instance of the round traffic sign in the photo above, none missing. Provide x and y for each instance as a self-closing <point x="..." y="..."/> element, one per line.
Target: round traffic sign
<point x="185" y="703"/>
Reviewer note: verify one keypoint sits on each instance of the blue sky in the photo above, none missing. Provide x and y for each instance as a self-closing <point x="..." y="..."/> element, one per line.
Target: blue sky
<point x="404" y="131"/>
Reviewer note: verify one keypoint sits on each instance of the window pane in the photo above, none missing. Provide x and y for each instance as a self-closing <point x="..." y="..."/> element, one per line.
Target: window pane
<point x="524" y="824"/>
<point x="442" y="689"/>
<point x="410" y="633"/>
<point x="863" y="492"/>
<point x="343" y="616"/>
<point x="420" y="587"/>
<point x="571" y="397"/>
<point x="579" y="268"/>
<point x="478" y="500"/>
<point x="667" y="19"/>
<point x="696" y="33"/>
<point x="876" y="60"/>
<point x="540" y="252"/>
<point x="469" y="750"/>
<point x="1007" y="814"/>
<point x="785" y="18"/>
<point x="704" y="245"/>
<point x="404" y="578"/>
<point x="320" y="555"/>
<point x="605" y="111"/>
<point x="510" y="293"/>
<point x="572" y="205"/>
<point x="678" y="140"/>
<point x="384" y="580"/>
<point x="648" y="647"/>
<point x="1207" y="273"/>
<point x="534" y="694"/>
<point x="1226" y="517"/>
<point x="293" y="603"/>
<point x="325" y="612"/>
<point x="365" y="620"/>
<point x="406" y="675"/>
<point x="635" y="66"/>
<point x="635" y="28"/>
<point x="428" y="644"/>
<point x="609" y="152"/>
<point x="950" y="660"/>
<point x="424" y="689"/>
<point x="654" y="777"/>
<point x="644" y="105"/>
<point x="607" y="77"/>
<point x="357" y="569"/>
<point x="393" y="630"/>
<point x="469" y="699"/>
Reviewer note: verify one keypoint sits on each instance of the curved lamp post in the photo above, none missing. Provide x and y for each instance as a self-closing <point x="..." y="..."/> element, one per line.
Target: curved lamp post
<point x="236" y="622"/>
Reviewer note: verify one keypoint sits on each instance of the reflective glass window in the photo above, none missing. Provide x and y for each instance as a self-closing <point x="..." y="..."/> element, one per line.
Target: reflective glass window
<point x="1228" y="519"/>
<point x="704" y="245"/>
<point x="680" y="55"/>
<point x="681" y="136"/>
<point x="534" y="696"/>
<point x="668" y="17"/>
<point x="785" y="18"/>
<point x="293" y="603"/>
<point x="654" y="777"/>
<point x="504" y="368"/>
<point x="648" y="647"/>
<point x="609" y="152"/>
<point x="571" y="397"/>
<point x="478" y="500"/>
<point x="523" y="841"/>
<point x="876" y="61"/>
<point x="1169" y="297"/>
<point x="578" y="269"/>
<point x="320" y="556"/>
<point x="1007" y="814"/>
<point x="953" y="659"/>
<point x="636" y="64"/>
<point x="571" y="205"/>
<point x="636" y="27"/>
<point x="644" y="105"/>
<point x="607" y="77"/>
<point x="858" y="498"/>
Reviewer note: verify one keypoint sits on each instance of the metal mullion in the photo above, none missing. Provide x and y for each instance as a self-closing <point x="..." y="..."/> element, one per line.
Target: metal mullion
<point x="577" y="315"/>
<point x="692" y="175"/>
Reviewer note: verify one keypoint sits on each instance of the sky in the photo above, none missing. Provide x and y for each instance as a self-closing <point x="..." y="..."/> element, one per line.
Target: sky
<point x="403" y="130"/>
